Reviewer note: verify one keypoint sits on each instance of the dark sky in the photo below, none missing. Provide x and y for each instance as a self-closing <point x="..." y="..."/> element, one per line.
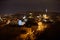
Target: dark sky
<point x="11" y="6"/>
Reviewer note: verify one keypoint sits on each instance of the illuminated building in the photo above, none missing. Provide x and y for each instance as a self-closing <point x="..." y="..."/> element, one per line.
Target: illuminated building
<point x="30" y="15"/>
<point x="19" y="22"/>
<point x="8" y="22"/>
<point x="1" y="19"/>
<point x="46" y="10"/>
<point x="45" y="16"/>
<point x="24" y="17"/>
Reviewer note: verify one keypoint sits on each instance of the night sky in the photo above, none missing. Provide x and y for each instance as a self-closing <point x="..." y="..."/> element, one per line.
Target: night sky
<point x="12" y="6"/>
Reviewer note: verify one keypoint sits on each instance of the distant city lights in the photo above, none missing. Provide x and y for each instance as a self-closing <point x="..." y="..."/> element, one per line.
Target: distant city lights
<point x="45" y="16"/>
<point x="24" y="17"/>
<point x="20" y="22"/>
<point x="46" y="10"/>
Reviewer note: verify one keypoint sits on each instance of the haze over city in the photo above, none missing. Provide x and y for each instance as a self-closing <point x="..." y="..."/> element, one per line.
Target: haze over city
<point x="12" y="6"/>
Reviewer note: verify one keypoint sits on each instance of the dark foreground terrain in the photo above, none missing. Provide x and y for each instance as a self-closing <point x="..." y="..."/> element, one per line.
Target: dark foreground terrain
<point x="11" y="32"/>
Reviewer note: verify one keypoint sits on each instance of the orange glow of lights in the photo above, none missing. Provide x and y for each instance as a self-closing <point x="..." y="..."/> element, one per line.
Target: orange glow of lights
<point x="41" y="26"/>
<point x="45" y="16"/>
<point x="29" y="33"/>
